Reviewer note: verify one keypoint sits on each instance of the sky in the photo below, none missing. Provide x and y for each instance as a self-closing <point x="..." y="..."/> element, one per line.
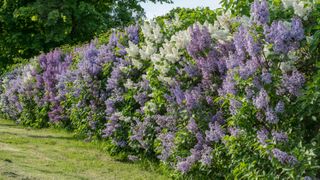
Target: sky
<point x="158" y="9"/>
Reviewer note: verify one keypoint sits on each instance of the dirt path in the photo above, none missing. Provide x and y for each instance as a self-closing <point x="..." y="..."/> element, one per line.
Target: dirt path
<point x="51" y="154"/>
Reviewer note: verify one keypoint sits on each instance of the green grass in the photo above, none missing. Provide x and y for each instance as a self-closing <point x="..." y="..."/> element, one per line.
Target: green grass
<point x="27" y="153"/>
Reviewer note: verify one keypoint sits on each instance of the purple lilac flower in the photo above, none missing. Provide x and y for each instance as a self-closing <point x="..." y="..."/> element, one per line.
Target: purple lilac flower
<point x="200" y="41"/>
<point x="183" y="166"/>
<point x="280" y="107"/>
<point x="141" y="98"/>
<point x="53" y="64"/>
<point x="249" y="68"/>
<point x="271" y="116"/>
<point x="178" y="94"/>
<point x="257" y="83"/>
<point x="262" y="100"/>
<point x="234" y="106"/>
<point x="110" y="106"/>
<point x="206" y="157"/>
<point x="283" y="157"/>
<point x="266" y="77"/>
<point x="253" y="47"/>
<point x="167" y="141"/>
<point x="121" y="143"/>
<point x="139" y="131"/>
<point x="284" y="38"/>
<point x="297" y="31"/>
<point x="239" y="43"/>
<point x="195" y="154"/>
<point x="218" y="117"/>
<point x="244" y="42"/>
<point x="233" y="61"/>
<point x="165" y="121"/>
<point x="262" y="136"/>
<point x="113" y="81"/>
<point x="234" y="131"/>
<point x="133" y="33"/>
<point x="260" y="12"/>
<point x="111" y="126"/>
<point x="279" y="136"/>
<point x="192" y="97"/>
<point x="228" y="86"/>
<point x="191" y="70"/>
<point x="192" y="126"/>
<point x="249" y="92"/>
<point x="293" y="83"/>
<point x="89" y="63"/>
<point x="216" y="133"/>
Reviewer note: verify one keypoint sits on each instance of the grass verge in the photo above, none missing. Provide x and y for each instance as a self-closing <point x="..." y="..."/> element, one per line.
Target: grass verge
<point x="27" y="153"/>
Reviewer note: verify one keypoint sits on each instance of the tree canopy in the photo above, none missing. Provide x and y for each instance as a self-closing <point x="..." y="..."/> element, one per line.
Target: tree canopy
<point x="28" y="27"/>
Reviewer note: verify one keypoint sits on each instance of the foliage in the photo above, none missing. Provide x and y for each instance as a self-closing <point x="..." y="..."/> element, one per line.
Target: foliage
<point x="28" y="27"/>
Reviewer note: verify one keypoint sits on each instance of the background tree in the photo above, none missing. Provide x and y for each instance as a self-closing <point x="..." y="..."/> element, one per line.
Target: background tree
<point x="28" y="27"/>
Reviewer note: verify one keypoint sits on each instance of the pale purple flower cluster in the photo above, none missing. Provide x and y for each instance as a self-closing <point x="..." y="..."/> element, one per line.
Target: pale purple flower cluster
<point x="284" y="38"/>
<point x="167" y="141"/>
<point x="215" y="133"/>
<point x="284" y="158"/>
<point x="262" y="100"/>
<point x="293" y="83"/>
<point x="193" y="97"/>
<point x="53" y="64"/>
<point x="262" y="136"/>
<point x="279" y="136"/>
<point x="133" y="33"/>
<point x="192" y="126"/>
<point x="200" y="41"/>
<point x="260" y="12"/>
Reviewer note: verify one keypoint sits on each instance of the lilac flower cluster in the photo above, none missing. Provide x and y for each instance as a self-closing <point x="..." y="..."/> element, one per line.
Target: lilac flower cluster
<point x="133" y="33"/>
<point x="260" y="12"/>
<point x="53" y="64"/>
<point x="283" y="157"/>
<point x="285" y="37"/>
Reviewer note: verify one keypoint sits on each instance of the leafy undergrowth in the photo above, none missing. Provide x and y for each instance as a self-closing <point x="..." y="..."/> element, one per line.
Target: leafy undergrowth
<point x="54" y="154"/>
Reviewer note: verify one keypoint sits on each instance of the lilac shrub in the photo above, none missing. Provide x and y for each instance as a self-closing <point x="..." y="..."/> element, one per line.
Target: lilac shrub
<point x="210" y="100"/>
<point x="52" y="66"/>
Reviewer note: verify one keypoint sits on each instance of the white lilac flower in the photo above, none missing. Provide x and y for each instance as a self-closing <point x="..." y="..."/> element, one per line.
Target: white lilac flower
<point x="146" y="29"/>
<point x="132" y="50"/>
<point x="287" y="66"/>
<point x="155" y="58"/>
<point x="292" y="56"/>
<point x="225" y="20"/>
<point x="137" y="63"/>
<point x="147" y="50"/>
<point x="150" y="107"/>
<point x="288" y="3"/>
<point x="301" y="9"/>
<point x="173" y="55"/>
<point x="181" y="39"/>
<point x="218" y="32"/>
<point x="129" y="84"/>
<point x="152" y="31"/>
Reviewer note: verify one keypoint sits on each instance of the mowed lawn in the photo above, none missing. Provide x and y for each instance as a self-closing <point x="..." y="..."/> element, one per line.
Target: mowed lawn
<point x="27" y="153"/>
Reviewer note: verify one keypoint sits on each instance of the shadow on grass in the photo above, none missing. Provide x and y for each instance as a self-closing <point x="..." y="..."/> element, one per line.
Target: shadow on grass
<point x="8" y="125"/>
<point x="39" y="136"/>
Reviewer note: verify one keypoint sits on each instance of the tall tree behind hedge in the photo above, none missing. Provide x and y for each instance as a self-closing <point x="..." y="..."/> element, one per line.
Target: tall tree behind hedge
<point x="28" y="27"/>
